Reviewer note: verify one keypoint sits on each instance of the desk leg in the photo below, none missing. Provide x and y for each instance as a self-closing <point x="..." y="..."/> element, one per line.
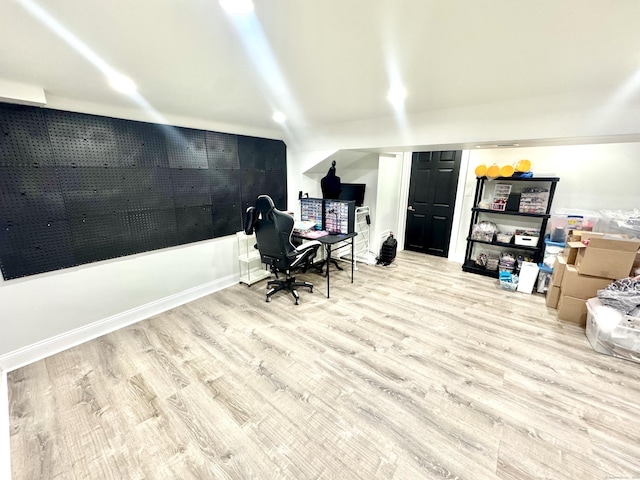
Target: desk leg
<point x="328" y="267"/>
<point x="353" y="259"/>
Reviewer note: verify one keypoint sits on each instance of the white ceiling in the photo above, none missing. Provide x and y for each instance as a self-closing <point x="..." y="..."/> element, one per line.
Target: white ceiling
<point x="322" y="62"/>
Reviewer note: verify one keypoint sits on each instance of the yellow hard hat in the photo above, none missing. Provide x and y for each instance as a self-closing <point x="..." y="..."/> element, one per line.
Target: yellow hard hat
<point x="506" y="171"/>
<point x="493" y="171"/>
<point x="481" y="170"/>
<point x="523" y="165"/>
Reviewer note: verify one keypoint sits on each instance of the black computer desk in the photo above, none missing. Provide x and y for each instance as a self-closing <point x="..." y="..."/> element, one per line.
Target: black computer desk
<point x="329" y="241"/>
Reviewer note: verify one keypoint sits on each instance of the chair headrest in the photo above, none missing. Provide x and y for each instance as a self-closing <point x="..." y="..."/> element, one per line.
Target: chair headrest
<point x="264" y="204"/>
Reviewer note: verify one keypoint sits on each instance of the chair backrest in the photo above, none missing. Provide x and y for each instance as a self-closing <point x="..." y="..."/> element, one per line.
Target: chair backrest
<point x="273" y="230"/>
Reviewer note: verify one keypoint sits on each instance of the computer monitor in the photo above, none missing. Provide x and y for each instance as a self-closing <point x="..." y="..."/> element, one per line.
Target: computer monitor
<point x="353" y="191"/>
<point x="311" y="210"/>
<point x="339" y="216"/>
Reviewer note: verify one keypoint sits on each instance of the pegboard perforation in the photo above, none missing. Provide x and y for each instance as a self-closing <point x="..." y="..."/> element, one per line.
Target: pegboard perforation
<point x="78" y="188"/>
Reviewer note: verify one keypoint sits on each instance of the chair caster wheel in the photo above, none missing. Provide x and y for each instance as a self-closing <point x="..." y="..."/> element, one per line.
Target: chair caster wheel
<point x="268" y="299"/>
<point x="297" y="302"/>
<point x="311" y="290"/>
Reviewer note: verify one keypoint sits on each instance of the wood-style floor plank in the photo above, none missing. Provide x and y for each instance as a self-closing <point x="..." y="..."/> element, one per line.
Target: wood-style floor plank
<point x="415" y="371"/>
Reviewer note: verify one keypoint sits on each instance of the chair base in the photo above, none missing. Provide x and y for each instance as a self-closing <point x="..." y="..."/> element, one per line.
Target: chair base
<point x="288" y="284"/>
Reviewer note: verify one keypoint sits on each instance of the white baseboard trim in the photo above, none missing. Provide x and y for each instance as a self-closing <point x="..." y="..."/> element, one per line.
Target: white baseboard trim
<point x="59" y="343"/>
<point x="5" y="433"/>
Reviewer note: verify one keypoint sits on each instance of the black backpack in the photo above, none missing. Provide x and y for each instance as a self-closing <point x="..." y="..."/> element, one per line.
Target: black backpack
<point x="388" y="251"/>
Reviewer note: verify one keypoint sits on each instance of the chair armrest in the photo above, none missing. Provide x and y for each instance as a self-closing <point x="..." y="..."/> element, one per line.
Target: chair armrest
<point x="303" y="253"/>
<point x="307" y="245"/>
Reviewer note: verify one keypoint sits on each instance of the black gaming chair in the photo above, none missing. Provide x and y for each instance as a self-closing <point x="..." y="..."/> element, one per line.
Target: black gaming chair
<point x="273" y="230"/>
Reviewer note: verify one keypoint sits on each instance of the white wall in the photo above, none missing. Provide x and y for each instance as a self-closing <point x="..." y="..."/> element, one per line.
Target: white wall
<point x="388" y="203"/>
<point x="592" y="177"/>
<point x="44" y="307"/>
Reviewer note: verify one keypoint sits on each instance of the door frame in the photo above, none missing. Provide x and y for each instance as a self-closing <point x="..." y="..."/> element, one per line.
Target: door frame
<point x="456" y="222"/>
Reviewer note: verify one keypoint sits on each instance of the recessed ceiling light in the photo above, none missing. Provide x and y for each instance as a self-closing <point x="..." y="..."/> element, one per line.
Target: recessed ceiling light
<point x="237" y="7"/>
<point x="499" y="145"/>
<point x="122" y="83"/>
<point x="397" y="95"/>
<point x="279" y="117"/>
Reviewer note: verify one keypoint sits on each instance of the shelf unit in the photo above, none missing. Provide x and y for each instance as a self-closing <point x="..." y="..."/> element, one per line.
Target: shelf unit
<point x="536" y="221"/>
<point x="251" y="268"/>
<point x="362" y="228"/>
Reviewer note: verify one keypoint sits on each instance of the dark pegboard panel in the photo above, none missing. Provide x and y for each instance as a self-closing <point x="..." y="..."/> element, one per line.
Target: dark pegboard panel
<point x="141" y="144"/>
<point x="90" y="191"/>
<point x="152" y="230"/>
<point x="24" y="140"/>
<point x="276" y="187"/>
<point x="30" y="195"/>
<point x="186" y="148"/>
<point x="101" y="237"/>
<point x="253" y="183"/>
<point x="35" y="248"/>
<point x="191" y="188"/>
<point x="225" y="186"/>
<point x="148" y="188"/>
<point x="275" y="154"/>
<point x="194" y="224"/>
<point x="250" y="154"/>
<point x="227" y="219"/>
<point x="222" y="150"/>
<point x="82" y="140"/>
<point x="107" y="187"/>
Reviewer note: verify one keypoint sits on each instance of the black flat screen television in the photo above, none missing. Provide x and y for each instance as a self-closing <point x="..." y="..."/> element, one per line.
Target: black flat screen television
<point x="353" y="191"/>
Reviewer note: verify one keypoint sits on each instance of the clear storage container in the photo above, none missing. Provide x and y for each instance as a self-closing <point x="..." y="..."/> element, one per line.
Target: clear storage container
<point x="611" y="332"/>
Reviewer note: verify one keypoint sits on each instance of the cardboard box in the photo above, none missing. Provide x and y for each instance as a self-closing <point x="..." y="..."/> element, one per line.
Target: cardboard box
<point x="570" y="252"/>
<point x="572" y="310"/>
<point x="607" y="256"/>
<point x="553" y="296"/>
<point x="580" y="235"/>
<point x="581" y="286"/>
<point x="635" y="270"/>
<point x="559" y="267"/>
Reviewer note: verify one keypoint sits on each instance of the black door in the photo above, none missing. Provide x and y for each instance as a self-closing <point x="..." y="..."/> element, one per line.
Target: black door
<point x="432" y="196"/>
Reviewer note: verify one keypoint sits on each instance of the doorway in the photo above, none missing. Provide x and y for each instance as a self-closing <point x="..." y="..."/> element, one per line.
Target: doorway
<point x="432" y="196"/>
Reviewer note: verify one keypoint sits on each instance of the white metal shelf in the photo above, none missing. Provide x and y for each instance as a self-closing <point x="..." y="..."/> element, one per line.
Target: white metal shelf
<point x="251" y="268"/>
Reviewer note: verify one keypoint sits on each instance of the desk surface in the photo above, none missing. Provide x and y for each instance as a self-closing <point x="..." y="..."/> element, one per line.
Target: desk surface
<point x="329" y="239"/>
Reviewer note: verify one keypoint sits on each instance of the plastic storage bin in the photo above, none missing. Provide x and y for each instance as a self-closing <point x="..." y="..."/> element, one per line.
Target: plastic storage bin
<point x="565" y="220"/>
<point x="527" y="237"/>
<point x="611" y="332"/>
<point x="551" y="251"/>
<point x="544" y="278"/>
<point x="626" y="222"/>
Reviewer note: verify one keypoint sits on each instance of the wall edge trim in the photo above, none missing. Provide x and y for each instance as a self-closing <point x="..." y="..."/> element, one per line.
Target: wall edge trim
<point x="45" y="348"/>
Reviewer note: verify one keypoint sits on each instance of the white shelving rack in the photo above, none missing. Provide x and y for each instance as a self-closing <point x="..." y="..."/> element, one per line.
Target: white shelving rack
<point x="361" y="241"/>
<point x="251" y="268"/>
<point x="362" y="227"/>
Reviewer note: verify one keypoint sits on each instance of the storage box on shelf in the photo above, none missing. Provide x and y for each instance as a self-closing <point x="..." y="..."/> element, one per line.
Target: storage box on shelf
<point x="527" y="237"/>
<point x="538" y="196"/>
<point x="534" y="200"/>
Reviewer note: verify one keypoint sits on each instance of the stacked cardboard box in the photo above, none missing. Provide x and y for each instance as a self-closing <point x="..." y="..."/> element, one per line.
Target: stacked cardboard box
<point x="582" y="270"/>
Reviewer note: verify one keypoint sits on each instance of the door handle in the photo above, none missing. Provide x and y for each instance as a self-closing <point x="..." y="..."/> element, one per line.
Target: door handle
<point x="411" y="209"/>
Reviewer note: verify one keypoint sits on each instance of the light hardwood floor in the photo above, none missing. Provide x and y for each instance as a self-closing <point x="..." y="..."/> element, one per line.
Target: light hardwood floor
<point x="415" y="371"/>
